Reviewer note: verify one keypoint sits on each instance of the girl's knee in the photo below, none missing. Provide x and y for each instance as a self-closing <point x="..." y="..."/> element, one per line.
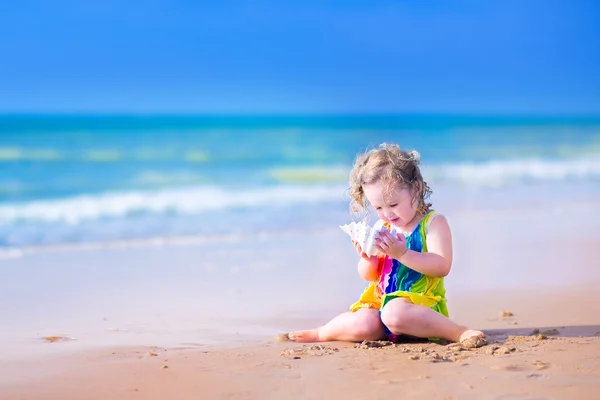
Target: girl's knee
<point x="396" y="316"/>
<point x="368" y="325"/>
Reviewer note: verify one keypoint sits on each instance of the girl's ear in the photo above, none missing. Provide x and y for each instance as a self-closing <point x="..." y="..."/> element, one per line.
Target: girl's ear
<point x="415" y="202"/>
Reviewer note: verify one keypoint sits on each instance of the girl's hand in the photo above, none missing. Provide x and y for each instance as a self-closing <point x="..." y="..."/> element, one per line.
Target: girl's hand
<point x="363" y="255"/>
<point x="392" y="245"/>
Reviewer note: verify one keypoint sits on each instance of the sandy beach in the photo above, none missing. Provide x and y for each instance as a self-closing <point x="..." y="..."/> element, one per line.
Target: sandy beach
<point x="557" y="363"/>
<point x="528" y="357"/>
<point x="200" y="318"/>
<point x="174" y="176"/>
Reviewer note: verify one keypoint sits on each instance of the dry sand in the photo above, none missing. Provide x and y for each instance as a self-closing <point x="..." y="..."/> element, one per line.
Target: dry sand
<point x="541" y="317"/>
<point x="538" y="366"/>
<point x="522" y="361"/>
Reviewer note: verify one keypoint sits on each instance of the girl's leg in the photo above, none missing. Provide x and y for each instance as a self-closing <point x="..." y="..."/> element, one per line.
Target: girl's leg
<point x="404" y="317"/>
<point x="364" y="324"/>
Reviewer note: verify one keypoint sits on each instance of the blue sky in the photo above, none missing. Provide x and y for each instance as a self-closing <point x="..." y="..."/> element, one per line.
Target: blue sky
<point x="347" y="56"/>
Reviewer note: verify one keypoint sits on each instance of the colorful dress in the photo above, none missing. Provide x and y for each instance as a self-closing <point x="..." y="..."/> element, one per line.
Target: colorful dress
<point x="398" y="280"/>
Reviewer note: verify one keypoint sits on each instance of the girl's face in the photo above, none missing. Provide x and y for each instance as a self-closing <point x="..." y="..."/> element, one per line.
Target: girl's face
<point x="396" y="206"/>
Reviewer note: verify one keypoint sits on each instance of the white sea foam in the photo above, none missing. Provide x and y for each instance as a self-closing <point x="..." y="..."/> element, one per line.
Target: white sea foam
<point x="509" y="172"/>
<point x="197" y="200"/>
<point x="189" y="201"/>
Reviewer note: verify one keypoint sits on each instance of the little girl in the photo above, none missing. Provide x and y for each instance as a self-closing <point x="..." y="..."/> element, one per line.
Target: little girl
<point x="406" y="294"/>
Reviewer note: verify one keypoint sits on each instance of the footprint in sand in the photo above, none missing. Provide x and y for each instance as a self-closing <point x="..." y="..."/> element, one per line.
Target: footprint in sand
<point x="534" y="366"/>
<point x="539" y="365"/>
<point x="510" y="367"/>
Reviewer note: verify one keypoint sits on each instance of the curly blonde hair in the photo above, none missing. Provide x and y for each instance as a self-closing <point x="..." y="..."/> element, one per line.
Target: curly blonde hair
<point x="393" y="167"/>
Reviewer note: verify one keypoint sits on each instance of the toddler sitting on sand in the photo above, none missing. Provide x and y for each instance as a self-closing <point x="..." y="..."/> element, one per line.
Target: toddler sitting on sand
<point x="406" y="294"/>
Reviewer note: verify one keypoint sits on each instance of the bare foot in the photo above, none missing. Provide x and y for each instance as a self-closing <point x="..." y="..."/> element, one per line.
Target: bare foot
<point x="308" y="336"/>
<point x="472" y="339"/>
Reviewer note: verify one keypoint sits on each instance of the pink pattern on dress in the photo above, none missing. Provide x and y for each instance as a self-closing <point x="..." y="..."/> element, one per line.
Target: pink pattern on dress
<point x="386" y="270"/>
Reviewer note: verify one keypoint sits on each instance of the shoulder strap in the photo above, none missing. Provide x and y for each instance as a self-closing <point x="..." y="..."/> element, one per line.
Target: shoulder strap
<point x="429" y="219"/>
<point x="424" y="226"/>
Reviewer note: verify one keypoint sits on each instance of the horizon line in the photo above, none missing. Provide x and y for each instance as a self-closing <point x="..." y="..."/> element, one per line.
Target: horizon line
<point x="232" y="114"/>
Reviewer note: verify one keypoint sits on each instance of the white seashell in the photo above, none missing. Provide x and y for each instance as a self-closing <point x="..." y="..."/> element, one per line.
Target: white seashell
<point x="365" y="235"/>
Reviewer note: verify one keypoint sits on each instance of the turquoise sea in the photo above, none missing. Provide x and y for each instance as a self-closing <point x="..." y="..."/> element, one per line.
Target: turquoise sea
<point x="73" y="179"/>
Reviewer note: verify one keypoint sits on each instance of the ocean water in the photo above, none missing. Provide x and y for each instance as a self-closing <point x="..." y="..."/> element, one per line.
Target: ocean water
<point x="70" y="180"/>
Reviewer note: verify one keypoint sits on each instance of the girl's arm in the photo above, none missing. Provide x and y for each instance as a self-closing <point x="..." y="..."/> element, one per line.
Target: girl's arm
<point x="368" y="267"/>
<point x="437" y="261"/>
<point x="368" y="270"/>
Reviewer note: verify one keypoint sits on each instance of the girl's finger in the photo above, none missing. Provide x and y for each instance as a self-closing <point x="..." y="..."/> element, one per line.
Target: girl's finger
<point x="384" y="249"/>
